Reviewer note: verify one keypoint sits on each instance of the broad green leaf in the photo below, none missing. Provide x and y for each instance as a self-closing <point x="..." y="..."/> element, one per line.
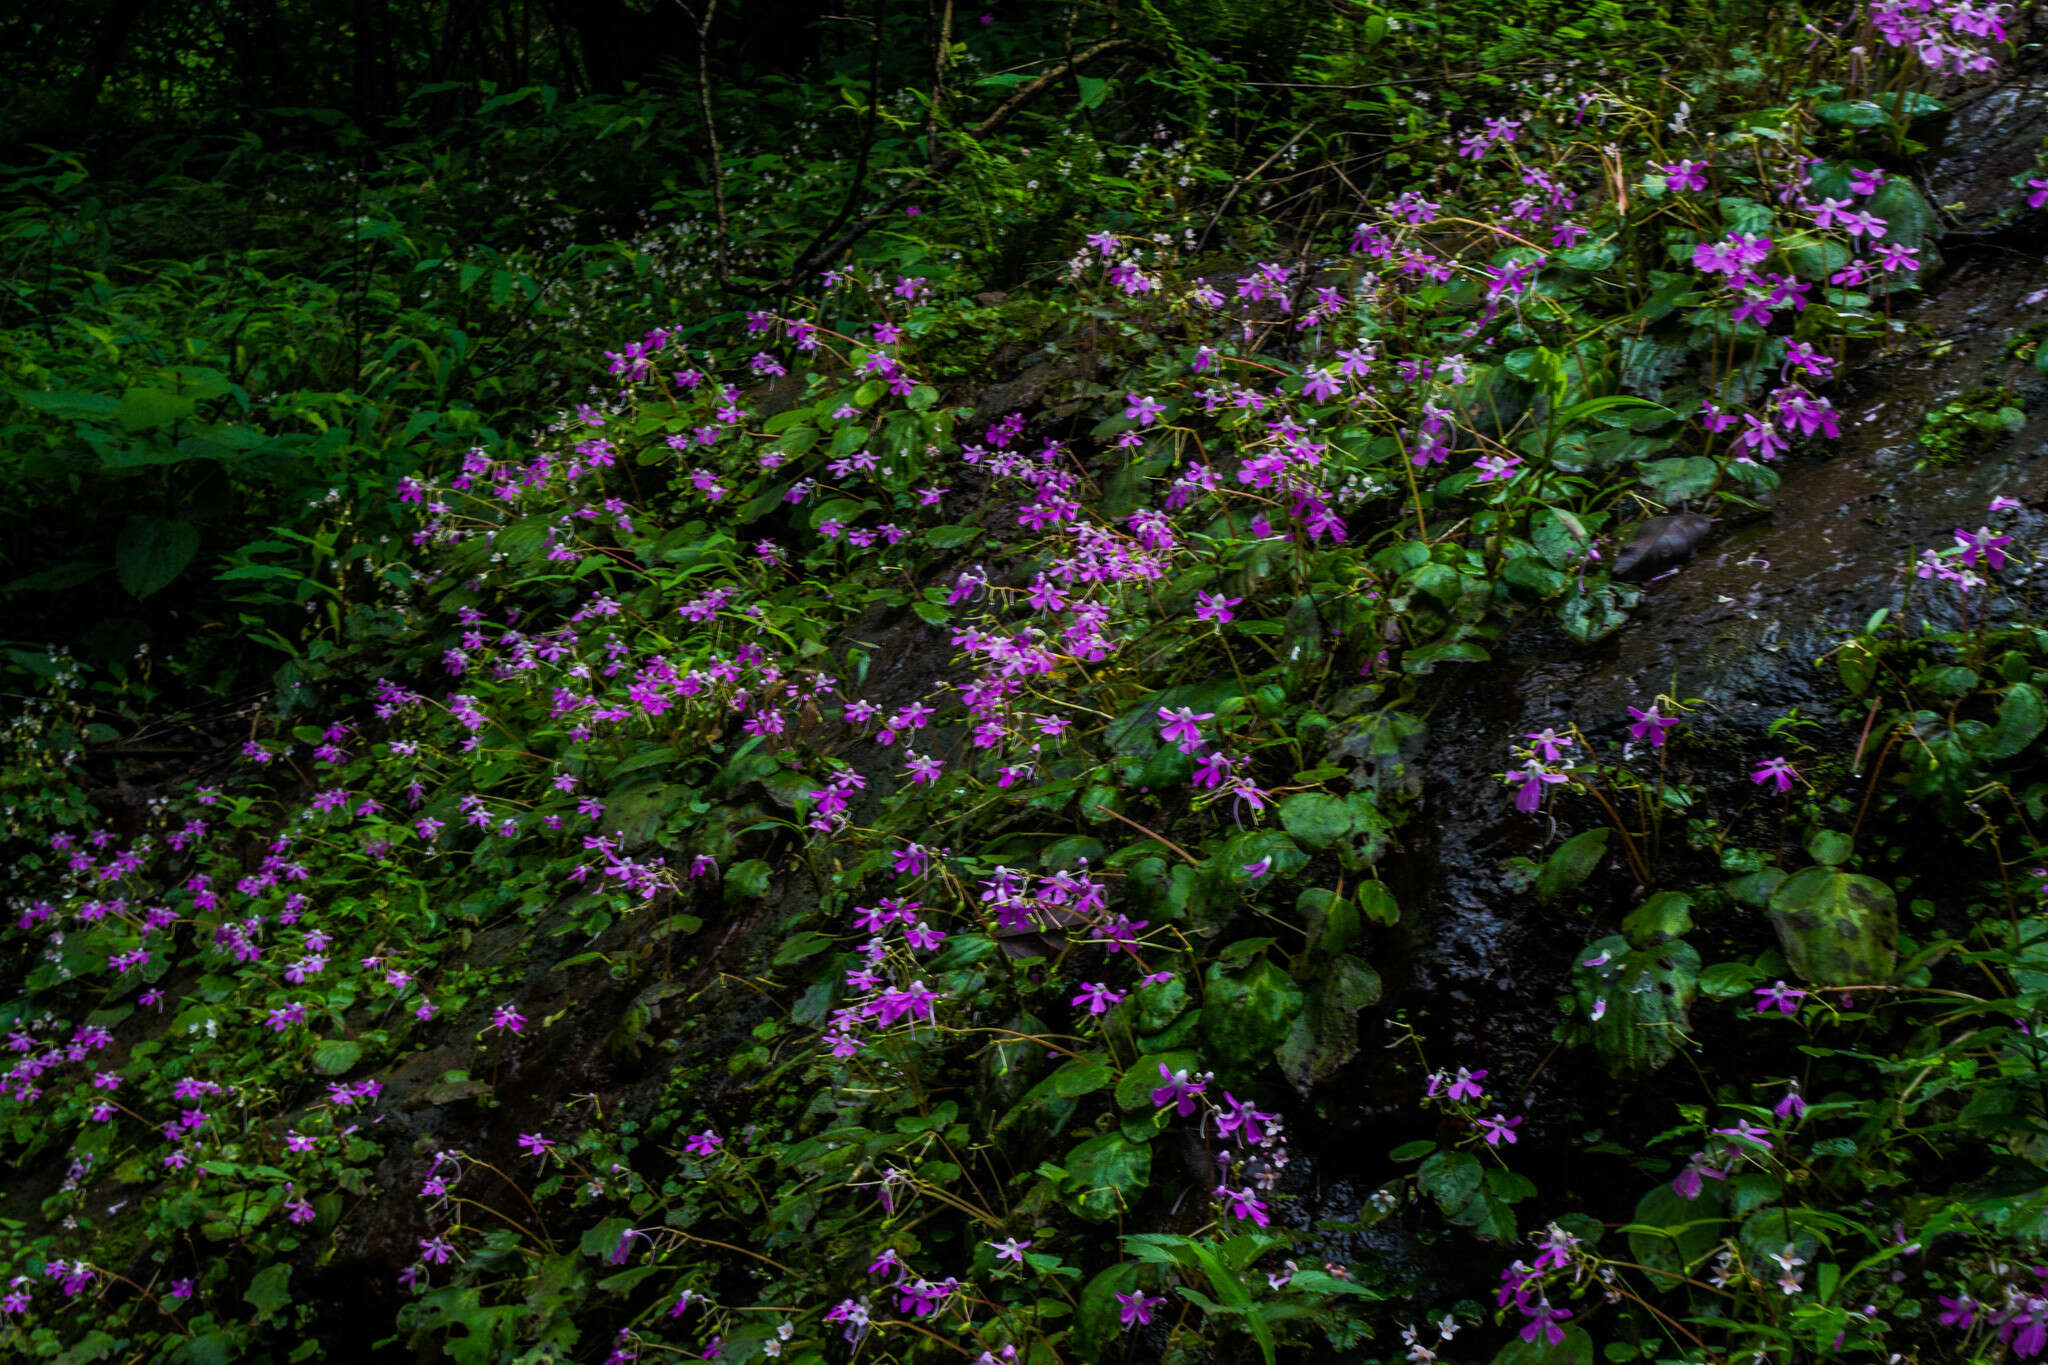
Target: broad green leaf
<point x="143" y="409"/>
<point x="336" y="1055"/>
<point x="1632" y="1002"/>
<point x="270" y="1290"/>
<point x="1105" y="1175"/>
<point x="1571" y="863"/>
<point x="1324" y="1036"/>
<point x="1661" y="918"/>
<point x="2021" y="717"/>
<point x="1316" y="819"/>
<point x="151" y="552"/>
<point x="1450" y="1178"/>
<point x="1246" y="1015"/>
<point x="1837" y="928"/>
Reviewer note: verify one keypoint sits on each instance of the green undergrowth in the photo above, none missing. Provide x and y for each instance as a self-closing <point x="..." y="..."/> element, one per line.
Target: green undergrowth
<point x="825" y="864"/>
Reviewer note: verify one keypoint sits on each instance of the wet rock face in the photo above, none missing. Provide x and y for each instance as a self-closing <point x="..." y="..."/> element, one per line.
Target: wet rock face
<point x="1739" y="628"/>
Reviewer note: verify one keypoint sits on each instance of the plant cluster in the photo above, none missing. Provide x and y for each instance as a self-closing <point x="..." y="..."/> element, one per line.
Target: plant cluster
<point x="984" y="814"/>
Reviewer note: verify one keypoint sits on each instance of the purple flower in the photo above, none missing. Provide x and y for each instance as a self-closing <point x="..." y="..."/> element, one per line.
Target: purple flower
<point x="1497" y="1128"/>
<point x="1650" y="725"/>
<point x="1985" y="544"/>
<point x="1142" y="409"/>
<point x="1745" y="1131"/>
<point x="1775" y="770"/>
<point x="1244" y="1204"/>
<point x="1180" y="729"/>
<point x="1178" y="1091"/>
<point x="1012" y="1250"/>
<point x="1543" y="1320"/>
<point x="1237" y="1117"/>
<point x="1684" y="175"/>
<point x="1214" y="606"/>
<point x="506" y="1017"/>
<point x="1465" y="1086"/>
<point x="1097" y="997"/>
<point x="533" y="1144"/>
<point x="703" y="1144"/>
<point x="1785" y="999"/>
<point x="1792" y="1108"/>
<point x="1529" y="783"/>
<point x="1137" y="1309"/>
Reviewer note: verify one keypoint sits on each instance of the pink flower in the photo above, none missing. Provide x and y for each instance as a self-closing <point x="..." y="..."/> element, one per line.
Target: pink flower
<point x="1983" y="543"/>
<point x="1244" y="1204"/>
<point x="1497" y="1128"/>
<point x="1180" y="729"/>
<point x="1650" y="725"/>
<point x="1137" y="1309"/>
<point x="1178" y="1091"/>
<point x="1097" y="997"/>
<point x="1775" y="770"/>
<point x="1779" y="996"/>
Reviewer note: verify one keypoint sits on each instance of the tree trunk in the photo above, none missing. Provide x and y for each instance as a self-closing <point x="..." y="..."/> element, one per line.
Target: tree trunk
<point x="107" y="46"/>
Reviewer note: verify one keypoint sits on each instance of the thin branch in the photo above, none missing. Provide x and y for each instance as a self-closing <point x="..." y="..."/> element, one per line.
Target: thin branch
<point x="822" y="251"/>
<point x="939" y="52"/>
<point x="724" y="249"/>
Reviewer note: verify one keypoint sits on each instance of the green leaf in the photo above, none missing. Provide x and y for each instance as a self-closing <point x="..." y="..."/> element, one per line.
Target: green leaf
<point x="1559" y="537"/>
<point x="1852" y="114"/>
<point x="336" y="1055"/>
<point x="1640" y="997"/>
<point x="1672" y="1233"/>
<point x="748" y="879"/>
<point x="1094" y="90"/>
<point x="1575" y="1349"/>
<point x="1450" y="1178"/>
<point x="1673" y="480"/>
<point x="1105" y="1175"/>
<point x="142" y="409"/>
<point x="800" y="947"/>
<point x="1594" y="615"/>
<point x="1376" y="902"/>
<point x="2021" y="717"/>
<point x="1829" y="847"/>
<point x="1837" y="928"/>
<point x="1571" y="863"/>
<point x="1727" y="980"/>
<point x="946" y="537"/>
<point x="1134" y="1088"/>
<point x="1324" y="1037"/>
<point x="1098" y="1323"/>
<point x="72" y="404"/>
<point x="1247" y="1014"/>
<point x="151" y="552"/>
<point x="1081" y="1077"/>
<point x="1316" y="819"/>
<point x="270" y="1290"/>
<point x="1661" y="918"/>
